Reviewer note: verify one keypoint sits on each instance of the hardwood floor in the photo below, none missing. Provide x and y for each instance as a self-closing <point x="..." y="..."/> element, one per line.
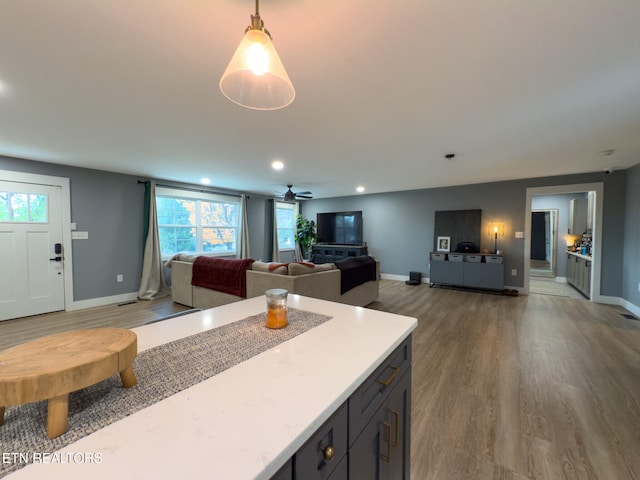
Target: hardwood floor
<point x="536" y="386"/>
<point x="125" y="315"/>
<point x="530" y="387"/>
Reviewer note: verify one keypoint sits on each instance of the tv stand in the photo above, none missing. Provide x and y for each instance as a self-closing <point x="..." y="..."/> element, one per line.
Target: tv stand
<point x="333" y="253"/>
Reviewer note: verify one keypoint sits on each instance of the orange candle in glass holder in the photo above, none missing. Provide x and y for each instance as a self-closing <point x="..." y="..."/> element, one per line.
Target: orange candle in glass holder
<point x="276" y="308"/>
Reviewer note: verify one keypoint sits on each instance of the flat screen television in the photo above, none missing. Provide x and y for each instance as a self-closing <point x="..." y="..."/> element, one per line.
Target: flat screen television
<point x="339" y="228"/>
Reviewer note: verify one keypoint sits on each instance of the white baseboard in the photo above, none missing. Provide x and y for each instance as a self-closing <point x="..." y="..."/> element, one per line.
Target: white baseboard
<point x="102" y="301"/>
<point x="620" y="302"/>
<point x="631" y="307"/>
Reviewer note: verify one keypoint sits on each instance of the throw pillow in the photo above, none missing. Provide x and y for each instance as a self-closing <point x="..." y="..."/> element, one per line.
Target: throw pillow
<point x="303" y="268"/>
<point x="270" y="267"/>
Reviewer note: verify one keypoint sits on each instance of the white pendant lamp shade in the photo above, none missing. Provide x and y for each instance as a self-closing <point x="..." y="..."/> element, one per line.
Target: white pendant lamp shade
<point x="255" y="77"/>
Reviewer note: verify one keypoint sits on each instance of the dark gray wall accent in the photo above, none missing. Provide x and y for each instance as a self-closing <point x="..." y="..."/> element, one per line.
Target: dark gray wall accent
<point x="631" y="264"/>
<point x="459" y="225"/>
<point x="398" y="226"/>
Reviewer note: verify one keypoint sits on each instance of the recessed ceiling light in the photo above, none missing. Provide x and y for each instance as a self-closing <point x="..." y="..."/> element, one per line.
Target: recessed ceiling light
<point x="205" y="181"/>
<point x="277" y="165"/>
<point x="360" y="189"/>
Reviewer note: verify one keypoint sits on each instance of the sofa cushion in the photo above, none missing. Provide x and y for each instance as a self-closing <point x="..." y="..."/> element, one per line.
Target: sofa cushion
<point x="270" y="267"/>
<point x="302" y="268"/>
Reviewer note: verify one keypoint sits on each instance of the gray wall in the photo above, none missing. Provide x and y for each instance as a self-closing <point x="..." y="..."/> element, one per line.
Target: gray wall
<point x="398" y="226"/>
<point x="631" y="265"/>
<point x="110" y="207"/>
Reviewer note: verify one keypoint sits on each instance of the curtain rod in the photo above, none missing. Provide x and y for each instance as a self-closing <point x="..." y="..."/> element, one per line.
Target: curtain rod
<point x="195" y="189"/>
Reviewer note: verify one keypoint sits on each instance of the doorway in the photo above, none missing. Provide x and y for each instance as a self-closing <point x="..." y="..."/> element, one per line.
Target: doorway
<point x="596" y="260"/>
<point x="35" y="236"/>
<point x="544" y="251"/>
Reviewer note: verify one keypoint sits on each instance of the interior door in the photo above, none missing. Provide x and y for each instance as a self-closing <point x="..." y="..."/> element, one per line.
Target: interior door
<point x="32" y="267"/>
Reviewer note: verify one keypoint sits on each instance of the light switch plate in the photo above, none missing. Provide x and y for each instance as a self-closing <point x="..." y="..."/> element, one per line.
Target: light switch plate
<point x="519" y="234"/>
<point x="79" y="235"/>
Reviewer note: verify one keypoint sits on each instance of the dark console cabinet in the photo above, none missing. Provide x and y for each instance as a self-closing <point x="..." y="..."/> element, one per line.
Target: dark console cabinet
<point x="333" y="253"/>
<point x="467" y="270"/>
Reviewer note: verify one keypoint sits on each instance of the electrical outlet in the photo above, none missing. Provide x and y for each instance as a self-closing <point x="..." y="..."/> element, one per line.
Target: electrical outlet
<point x="514" y="272"/>
<point x="120" y="278"/>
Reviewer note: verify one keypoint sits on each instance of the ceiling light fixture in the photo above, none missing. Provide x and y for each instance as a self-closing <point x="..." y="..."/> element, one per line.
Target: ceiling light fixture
<point x="277" y="165"/>
<point x="360" y="189"/>
<point x="255" y="77"/>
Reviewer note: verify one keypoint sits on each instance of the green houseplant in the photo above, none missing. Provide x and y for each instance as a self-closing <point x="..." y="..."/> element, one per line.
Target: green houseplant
<point x="305" y="235"/>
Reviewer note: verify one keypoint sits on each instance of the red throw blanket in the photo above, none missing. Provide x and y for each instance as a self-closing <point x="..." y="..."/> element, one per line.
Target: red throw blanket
<point x="222" y="274"/>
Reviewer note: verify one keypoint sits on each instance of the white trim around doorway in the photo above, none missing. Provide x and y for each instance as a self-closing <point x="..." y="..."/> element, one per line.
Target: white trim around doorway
<point x="64" y="184"/>
<point x="597" y="230"/>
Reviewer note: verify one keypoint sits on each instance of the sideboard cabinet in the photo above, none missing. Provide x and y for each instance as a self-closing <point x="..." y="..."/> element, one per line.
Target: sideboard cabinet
<point x="468" y="270"/>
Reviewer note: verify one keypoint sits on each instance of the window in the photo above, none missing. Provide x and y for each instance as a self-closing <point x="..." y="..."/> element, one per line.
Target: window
<point x="197" y="222"/>
<point x="286" y="219"/>
<point x="23" y="207"/>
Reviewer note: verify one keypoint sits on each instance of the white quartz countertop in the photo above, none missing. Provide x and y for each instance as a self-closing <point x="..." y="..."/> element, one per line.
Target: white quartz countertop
<point x="579" y="255"/>
<point x="246" y="422"/>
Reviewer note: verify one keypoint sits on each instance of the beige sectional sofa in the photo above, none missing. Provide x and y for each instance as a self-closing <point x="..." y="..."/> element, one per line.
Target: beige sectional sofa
<point x="321" y="281"/>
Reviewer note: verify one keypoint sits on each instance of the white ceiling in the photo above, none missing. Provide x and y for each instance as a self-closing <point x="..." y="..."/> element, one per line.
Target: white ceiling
<point x="384" y="89"/>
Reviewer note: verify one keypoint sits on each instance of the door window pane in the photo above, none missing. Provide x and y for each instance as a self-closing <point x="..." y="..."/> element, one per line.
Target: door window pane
<point x="23" y="207"/>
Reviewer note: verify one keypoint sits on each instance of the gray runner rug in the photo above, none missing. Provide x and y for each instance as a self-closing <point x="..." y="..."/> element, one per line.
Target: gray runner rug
<point x="161" y="372"/>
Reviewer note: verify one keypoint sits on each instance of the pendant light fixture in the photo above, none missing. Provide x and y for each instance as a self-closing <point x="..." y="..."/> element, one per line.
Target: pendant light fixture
<point x="255" y="77"/>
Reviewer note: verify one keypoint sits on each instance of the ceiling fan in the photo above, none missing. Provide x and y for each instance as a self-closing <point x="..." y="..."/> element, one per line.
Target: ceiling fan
<point x="291" y="196"/>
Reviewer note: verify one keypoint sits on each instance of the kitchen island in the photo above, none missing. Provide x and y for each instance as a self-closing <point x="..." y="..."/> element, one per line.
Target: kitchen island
<point x="250" y="420"/>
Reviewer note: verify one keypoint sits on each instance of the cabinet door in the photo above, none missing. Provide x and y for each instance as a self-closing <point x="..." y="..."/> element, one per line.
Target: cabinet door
<point x="381" y="452"/>
<point x="285" y="473"/>
<point x="483" y="275"/>
<point x="448" y="273"/>
<point x="580" y="274"/>
<point x="399" y="410"/>
<point x="323" y="452"/>
<point x="586" y="278"/>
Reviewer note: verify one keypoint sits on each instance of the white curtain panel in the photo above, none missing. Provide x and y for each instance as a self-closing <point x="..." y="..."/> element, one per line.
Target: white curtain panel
<point x="152" y="284"/>
<point x="275" y="251"/>
<point x="243" y="242"/>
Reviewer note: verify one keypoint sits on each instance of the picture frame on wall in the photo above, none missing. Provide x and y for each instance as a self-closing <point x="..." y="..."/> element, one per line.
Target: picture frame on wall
<point x="444" y="244"/>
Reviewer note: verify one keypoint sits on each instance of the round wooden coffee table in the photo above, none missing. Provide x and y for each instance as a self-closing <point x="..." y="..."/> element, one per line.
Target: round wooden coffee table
<point x="51" y="367"/>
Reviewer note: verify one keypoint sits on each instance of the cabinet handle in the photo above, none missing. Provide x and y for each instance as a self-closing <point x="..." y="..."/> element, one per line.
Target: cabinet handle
<point x="387" y="458"/>
<point x="388" y="381"/>
<point x="328" y="452"/>
<point x="396" y="416"/>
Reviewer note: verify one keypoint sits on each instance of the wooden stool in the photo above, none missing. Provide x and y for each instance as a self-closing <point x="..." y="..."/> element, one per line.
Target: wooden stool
<point x="51" y="367"/>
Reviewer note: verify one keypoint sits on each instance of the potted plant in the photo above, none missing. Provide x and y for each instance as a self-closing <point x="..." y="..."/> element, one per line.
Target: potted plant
<point x="305" y="235"/>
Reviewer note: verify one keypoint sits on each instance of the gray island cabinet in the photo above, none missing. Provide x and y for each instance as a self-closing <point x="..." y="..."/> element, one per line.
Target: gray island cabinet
<point x="330" y="403"/>
<point x="368" y="437"/>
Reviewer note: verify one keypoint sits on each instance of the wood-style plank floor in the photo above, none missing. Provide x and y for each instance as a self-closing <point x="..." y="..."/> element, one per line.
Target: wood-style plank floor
<point x="530" y="387"/>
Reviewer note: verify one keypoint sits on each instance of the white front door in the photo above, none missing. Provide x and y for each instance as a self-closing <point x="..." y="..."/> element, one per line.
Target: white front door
<point x="31" y="270"/>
